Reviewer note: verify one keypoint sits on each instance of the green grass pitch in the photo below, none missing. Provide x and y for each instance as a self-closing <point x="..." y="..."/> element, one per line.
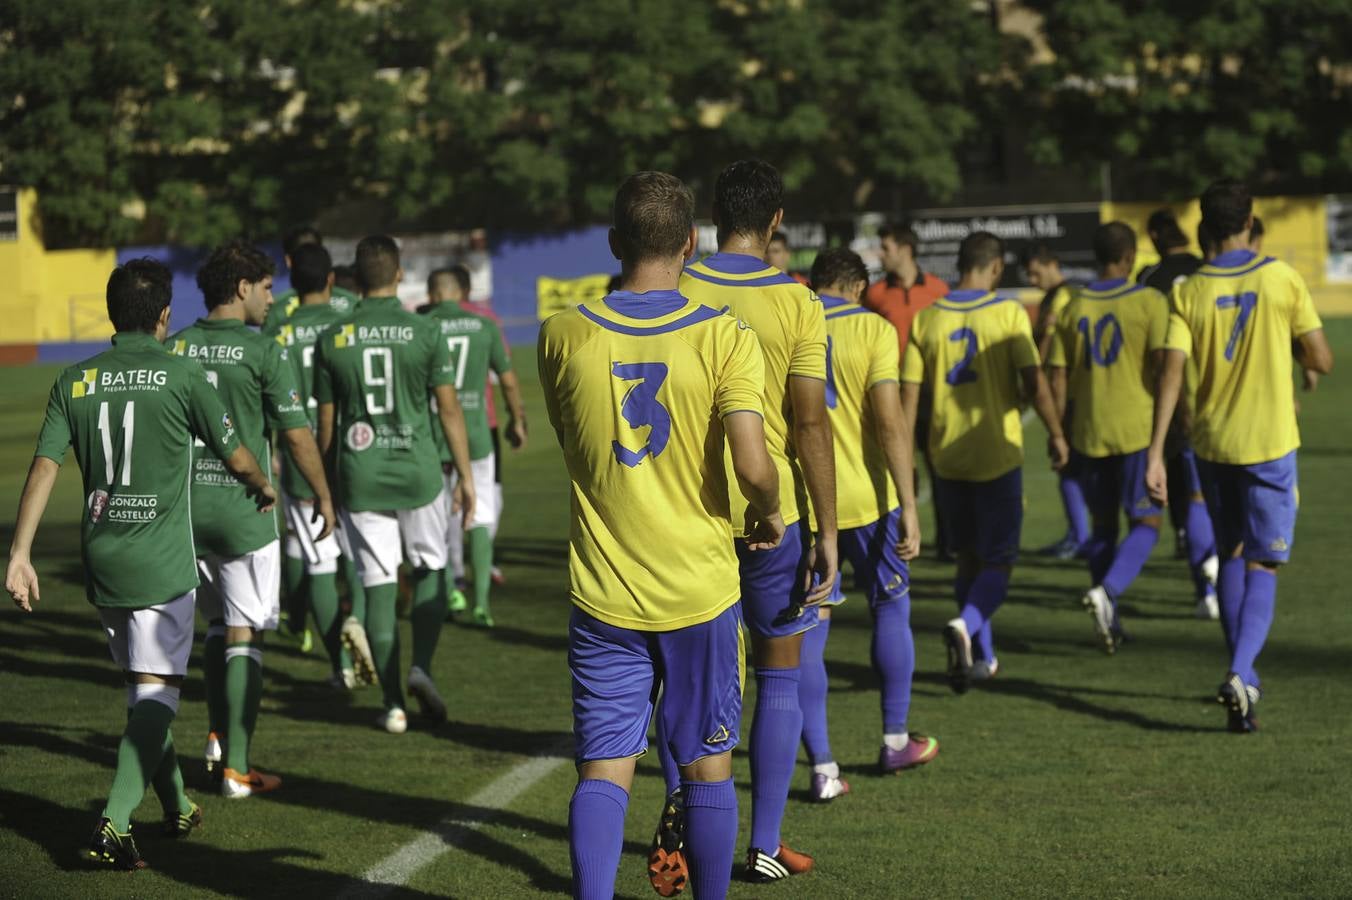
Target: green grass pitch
<point x="1072" y="774"/>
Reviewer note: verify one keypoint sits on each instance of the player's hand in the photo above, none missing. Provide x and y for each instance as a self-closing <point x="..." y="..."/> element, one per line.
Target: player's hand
<point x="1157" y="478"/>
<point x="821" y="574"/>
<point x="908" y="548"/>
<point x="462" y="501"/>
<point x="516" y="433"/>
<point x="1309" y="380"/>
<point x="763" y="532"/>
<point x="1059" y="451"/>
<point x="324" y="512"/>
<point x="265" y="498"/>
<point x="21" y="580"/>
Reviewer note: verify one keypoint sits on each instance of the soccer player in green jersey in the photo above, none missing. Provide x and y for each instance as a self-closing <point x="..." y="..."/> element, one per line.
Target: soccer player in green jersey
<point x="374" y="375"/>
<point x="310" y="569"/>
<point x="476" y="347"/>
<point x="288" y="301"/>
<point x="239" y="556"/>
<point x="131" y="414"/>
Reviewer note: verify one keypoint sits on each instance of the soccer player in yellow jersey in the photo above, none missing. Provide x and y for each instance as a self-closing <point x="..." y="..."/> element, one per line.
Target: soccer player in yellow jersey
<point x="1043" y="268"/>
<point x="1106" y="351"/>
<point x="879" y="534"/>
<point x="976" y="350"/>
<point x="642" y="388"/>
<point x="780" y="590"/>
<point x="1238" y="317"/>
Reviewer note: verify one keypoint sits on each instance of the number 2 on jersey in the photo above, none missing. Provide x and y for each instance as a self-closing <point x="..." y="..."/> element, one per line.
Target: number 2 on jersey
<point x="962" y="373"/>
<point x="1246" y="302"/>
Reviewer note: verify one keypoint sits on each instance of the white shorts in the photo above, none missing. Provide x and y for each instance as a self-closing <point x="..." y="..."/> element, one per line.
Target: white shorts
<point x="245" y="591"/>
<point x="156" y="640"/>
<point x="321" y="557"/>
<point x="379" y="539"/>
<point x="485" y="494"/>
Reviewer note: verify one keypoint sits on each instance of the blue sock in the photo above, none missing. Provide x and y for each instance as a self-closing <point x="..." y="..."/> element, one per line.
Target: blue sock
<point x="670" y="773"/>
<point x="987" y="593"/>
<point x="983" y="643"/>
<point x="1255" y="620"/>
<point x="775" y="730"/>
<point x="1230" y="594"/>
<point x="1201" y="542"/>
<point x="1077" y="513"/>
<point x="596" y="837"/>
<point x="710" y="835"/>
<point x="894" y="660"/>
<point x="812" y="693"/>
<point x="1099" y="552"/>
<point x="1129" y="559"/>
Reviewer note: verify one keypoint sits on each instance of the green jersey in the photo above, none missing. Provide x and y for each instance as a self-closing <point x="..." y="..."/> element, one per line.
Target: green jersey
<point x="131" y="414"/>
<point x="378" y="369"/>
<point x="257" y="386"/>
<point x="476" y="345"/>
<point x="285" y="304"/>
<point x="297" y="337"/>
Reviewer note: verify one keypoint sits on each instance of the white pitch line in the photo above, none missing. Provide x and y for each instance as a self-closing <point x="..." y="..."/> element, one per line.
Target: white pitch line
<point x="396" y="869"/>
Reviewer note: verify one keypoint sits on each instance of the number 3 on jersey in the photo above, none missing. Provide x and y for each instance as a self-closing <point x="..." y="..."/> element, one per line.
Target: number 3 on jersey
<point x="641" y="408"/>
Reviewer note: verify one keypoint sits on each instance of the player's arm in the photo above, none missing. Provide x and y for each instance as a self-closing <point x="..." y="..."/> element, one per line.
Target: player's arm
<point x="21" y="579"/>
<point x="1314" y="355"/>
<point x="452" y="419"/>
<point x="1167" y="391"/>
<point x="757" y="478"/>
<point x="1058" y="382"/>
<point x="815" y="447"/>
<point x="242" y="464"/>
<point x="516" y="408"/>
<point x="1035" y="386"/>
<point x="300" y="443"/>
<point x="896" y="436"/>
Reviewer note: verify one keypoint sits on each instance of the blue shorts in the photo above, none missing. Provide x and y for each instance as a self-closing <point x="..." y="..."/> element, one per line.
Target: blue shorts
<point x="617" y="673"/>
<point x="984" y="518"/>
<point x="1253" y="505"/>
<point x="1117" y="481"/>
<point x="872" y="552"/>
<point x="772" y="585"/>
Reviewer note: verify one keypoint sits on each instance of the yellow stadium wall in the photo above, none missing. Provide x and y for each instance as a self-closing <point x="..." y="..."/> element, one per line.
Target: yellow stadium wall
<point x="1296" y="230"/>
<point x="50" y="296"/>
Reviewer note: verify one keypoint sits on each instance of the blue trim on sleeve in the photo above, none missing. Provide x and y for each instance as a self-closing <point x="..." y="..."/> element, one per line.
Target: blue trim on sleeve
<point x="699" y="314"/>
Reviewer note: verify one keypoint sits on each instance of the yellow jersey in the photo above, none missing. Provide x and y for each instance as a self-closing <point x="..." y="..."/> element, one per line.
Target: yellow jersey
<point x="861" y="351"/>
<point x="1237" y="317"/>
<point x="970" y="347"/>
<point x="1104" y="340"/>
<point x="787" y="318"/>
<point x="636" y="386"/>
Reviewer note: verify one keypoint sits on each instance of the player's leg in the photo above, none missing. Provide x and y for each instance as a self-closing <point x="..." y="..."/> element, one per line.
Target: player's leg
<point x="1144" y="515"/>
<point x="703" y="665"/>
<point x="613" y="686"/>
<point x="1176" y="470"/>
<point x="498" y="577"/>
<point x="374" y="539"/>
<point x="213" y="664"/>
<point x="772" y="593"/>
<point x="956" y="499"/>
<point x="480" y="537"/>
<point x="1076" y="510"/>
<point x="1223" y="489"/>
<point x="424" y="535"/>
<point x="1201" y="544"/>
<point x="995" y="509"/>
<point x="249" y="586"/>
<point x="455" y="544"/>
<point x="153" y="646"/>
<point x="812" y="688"/>
<point x="320" y="562"/>
<point x="1102" y="484"/>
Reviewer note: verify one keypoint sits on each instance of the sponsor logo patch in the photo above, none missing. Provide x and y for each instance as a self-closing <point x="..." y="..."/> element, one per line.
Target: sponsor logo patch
<point x="346" y="336"/>
<point x="98" y="502"/>
<point x="718" y="736"/>
<point x="360" y="436"/>
<point x="85" y="386"/>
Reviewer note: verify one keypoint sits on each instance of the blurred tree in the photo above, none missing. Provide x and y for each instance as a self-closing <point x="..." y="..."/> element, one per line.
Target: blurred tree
<point x="1183" y="93"/>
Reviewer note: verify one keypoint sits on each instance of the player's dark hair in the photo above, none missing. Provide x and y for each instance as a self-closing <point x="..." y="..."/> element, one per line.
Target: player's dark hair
<point x="228" y="265"/>
<point x="1164" y="230"/>
<point x="979" y="249"/>
<point x="1226" y="207"/>
<point x="747" y="195"/>
<point x="457" y="273"/>
<point x="345" y="277"/>
<point x="138" y="292"/>
<point x="1256" y="230"/>
<point x="1038" y="253"/>
<point x="837" y="267"/>
<point x="1206" y="239"/>
<point x="1113" y="242"/>
<point x="781" y="237"/>
<point x="902" y="234"/>
<point x="311" y="266"/>
<point x="652" y="216"/>
<point x="298" y="237"/>
<point x="377" y="262"/>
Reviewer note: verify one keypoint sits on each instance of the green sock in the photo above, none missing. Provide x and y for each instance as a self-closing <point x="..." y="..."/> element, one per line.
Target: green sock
<point x="382" y="631"/>
<point x="429" y="613"/>
<point x="293" y="588"/>
<point x="138" y="756"/>
<point x="168" y="781"/>
<point x="324" y="605"/>
<point x="213" y="673"/>
<point x="355" y="592"/>
<point x="481" y="557"/>
<point x="243" y="683"/>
